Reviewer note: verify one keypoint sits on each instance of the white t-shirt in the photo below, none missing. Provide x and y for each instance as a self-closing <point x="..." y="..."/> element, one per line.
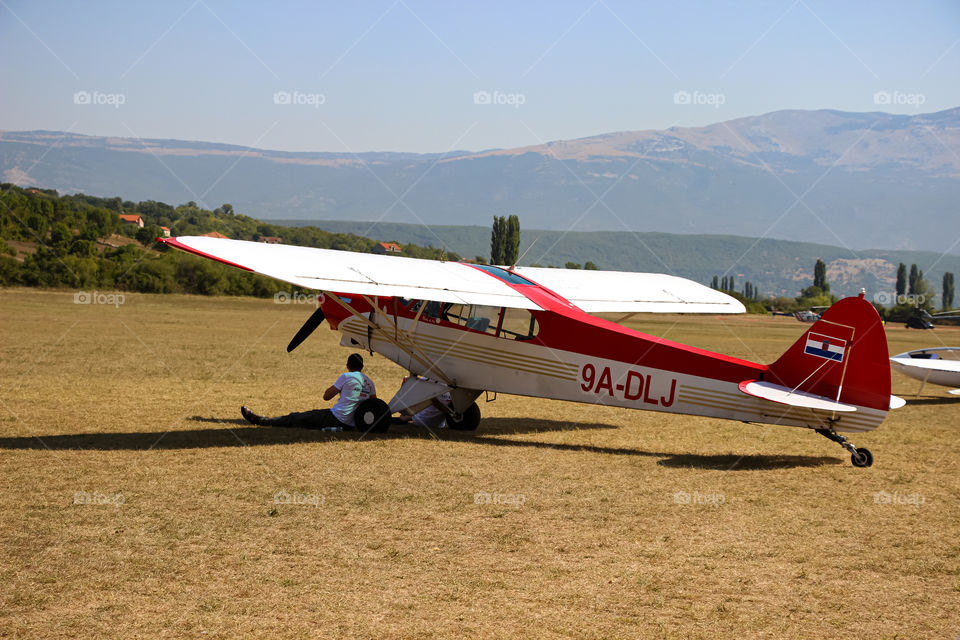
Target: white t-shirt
<point x="354" y="388"/>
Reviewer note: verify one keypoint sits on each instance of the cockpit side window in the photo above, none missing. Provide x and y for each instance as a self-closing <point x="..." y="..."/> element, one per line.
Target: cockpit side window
<point x="503" y="322"/>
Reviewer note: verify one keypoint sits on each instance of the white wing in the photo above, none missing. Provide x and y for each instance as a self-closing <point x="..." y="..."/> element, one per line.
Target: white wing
<point x="377" y="275"/>
<point x="360" y="273"/>
<point x="950" y="366"/>
<point x="626" y="292"/>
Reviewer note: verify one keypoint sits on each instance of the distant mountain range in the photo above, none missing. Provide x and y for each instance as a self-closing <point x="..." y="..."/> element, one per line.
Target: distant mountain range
<point x="778" y="267"/>
<point x="854" y="179"/>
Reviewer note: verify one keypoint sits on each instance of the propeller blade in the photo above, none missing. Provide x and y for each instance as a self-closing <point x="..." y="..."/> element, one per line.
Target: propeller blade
<point x="308" y="327"/>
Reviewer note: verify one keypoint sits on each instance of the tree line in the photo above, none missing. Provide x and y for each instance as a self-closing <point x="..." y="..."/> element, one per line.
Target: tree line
<point x="78" y="241"/>
<point x="913" y="292"/>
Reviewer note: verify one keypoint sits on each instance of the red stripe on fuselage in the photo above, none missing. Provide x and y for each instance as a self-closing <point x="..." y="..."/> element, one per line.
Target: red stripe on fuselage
<point x="566" y="327"/>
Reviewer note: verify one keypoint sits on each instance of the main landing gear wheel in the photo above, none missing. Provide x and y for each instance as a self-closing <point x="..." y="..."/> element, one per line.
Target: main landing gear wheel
<point x="859" y="457"/>
<point x="469" y="420"/>
<point x="372" y="415"/>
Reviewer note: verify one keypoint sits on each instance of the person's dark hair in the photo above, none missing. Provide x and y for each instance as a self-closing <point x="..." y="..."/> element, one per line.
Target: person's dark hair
<point x="355" y="362"/>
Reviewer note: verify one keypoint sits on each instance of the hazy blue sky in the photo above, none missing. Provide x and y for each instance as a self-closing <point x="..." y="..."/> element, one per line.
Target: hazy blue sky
<point x="403" y="75"/>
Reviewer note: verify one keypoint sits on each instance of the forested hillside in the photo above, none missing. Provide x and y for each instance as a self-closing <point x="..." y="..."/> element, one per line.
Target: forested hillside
<point x="79" y="241"/>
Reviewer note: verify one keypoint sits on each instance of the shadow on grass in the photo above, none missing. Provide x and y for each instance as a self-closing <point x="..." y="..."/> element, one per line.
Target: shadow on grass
<point x="513" y="426"/>
<point x="728" y="462"/>
<point x="174" y="439"/>
<point x="751" y="462"/>
<point x="490" y="426"/>
<point x="237" y="432"/>
<point x="240" y="421"/>
<point x="243" y="434"/>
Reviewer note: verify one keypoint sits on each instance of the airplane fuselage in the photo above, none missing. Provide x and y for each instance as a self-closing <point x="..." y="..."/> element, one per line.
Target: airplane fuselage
<point x="579" y="358"/>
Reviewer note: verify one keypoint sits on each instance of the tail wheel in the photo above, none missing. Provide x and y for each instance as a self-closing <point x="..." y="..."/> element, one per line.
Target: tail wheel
<point x="373" y="415"/>
<point x="861" y="458"/>
<point x="469" y="420"/>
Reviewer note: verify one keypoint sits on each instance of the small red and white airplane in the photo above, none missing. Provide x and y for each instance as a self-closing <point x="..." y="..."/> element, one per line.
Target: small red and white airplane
<point x="465" y="329"/>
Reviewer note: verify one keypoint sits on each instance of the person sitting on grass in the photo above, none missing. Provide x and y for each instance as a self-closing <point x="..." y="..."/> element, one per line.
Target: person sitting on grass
<point x="353" y="387"/>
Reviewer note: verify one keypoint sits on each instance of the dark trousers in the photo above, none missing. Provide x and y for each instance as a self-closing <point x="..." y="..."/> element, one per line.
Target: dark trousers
<point x="316" y="419"/>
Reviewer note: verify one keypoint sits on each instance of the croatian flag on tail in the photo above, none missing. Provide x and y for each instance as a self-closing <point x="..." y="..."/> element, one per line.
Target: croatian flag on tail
<point x="825" y="347"/>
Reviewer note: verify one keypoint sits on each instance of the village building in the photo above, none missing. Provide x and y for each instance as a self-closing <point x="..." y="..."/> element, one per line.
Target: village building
<point x="131" y="218"/>
<point x="387" y="248"/>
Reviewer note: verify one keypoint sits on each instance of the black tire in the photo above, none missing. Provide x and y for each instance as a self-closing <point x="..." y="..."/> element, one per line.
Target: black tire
<point x="372" y="415"/>
<point x="862" y="458"/>
<point x="469" y="419"/>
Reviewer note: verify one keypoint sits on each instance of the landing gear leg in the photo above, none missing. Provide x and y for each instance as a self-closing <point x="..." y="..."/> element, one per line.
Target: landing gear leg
<point x="859" y="457"/>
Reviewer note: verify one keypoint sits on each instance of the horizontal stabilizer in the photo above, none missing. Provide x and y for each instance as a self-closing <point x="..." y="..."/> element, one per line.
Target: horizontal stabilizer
<point x="785" y="395"/>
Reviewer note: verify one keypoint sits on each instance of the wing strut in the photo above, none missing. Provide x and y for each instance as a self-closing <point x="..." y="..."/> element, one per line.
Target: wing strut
<point x="923" y="382"/>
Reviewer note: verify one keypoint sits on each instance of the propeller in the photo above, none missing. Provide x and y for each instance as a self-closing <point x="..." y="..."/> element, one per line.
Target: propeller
<point x="308" y="327"/>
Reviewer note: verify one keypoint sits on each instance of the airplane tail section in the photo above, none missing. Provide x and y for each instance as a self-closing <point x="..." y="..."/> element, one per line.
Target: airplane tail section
<point x="842" y="357"/>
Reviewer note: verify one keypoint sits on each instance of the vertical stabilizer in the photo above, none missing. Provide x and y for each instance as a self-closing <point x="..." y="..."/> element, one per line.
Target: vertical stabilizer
<point x="843" y="356"/>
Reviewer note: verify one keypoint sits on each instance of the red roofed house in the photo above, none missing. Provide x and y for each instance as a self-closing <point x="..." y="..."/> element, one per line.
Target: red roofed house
<point x="166" y="231"/>
<point x="213" y="234"/>
<point x="271" y="239"/>
<point x="384" y="248"/>
<point x="131" y="218"/>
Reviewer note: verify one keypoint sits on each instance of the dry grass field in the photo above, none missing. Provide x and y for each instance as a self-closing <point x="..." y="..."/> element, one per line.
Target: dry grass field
<point x="136" y="504"/>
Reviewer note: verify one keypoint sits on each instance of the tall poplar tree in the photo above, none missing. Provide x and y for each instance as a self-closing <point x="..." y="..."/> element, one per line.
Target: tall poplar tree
<point x="511" y="244"/>
<point x="901" y="279"/>
<point x="496" y="240"/>
<point x="948" y="292"/>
